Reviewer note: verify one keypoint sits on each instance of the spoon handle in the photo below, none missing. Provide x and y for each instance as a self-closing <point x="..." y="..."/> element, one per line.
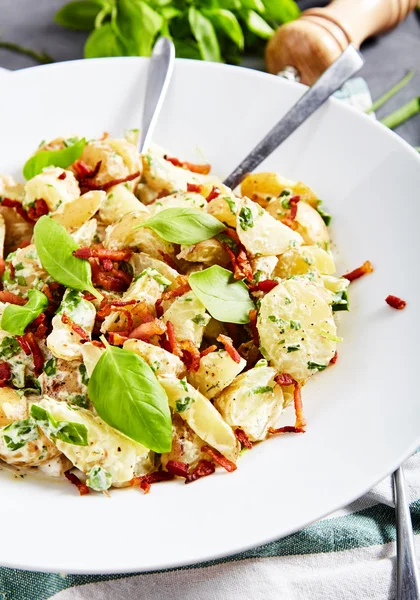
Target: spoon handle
<point x="330" y="81"/>
<point x="160" y="70"/>
<point x="407" y="576"/>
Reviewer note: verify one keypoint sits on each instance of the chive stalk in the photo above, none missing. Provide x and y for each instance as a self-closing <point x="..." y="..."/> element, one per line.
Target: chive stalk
<point x="41" y="57"/>
<point x="394" y="90"/>
<point x="402" y="114"/>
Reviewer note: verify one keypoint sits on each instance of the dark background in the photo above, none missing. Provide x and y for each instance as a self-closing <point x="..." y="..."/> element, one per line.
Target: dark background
<point x="30" y="23"/>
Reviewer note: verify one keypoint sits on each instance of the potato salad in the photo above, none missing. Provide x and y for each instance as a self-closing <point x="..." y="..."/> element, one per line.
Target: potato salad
<point x="155" y="324"/>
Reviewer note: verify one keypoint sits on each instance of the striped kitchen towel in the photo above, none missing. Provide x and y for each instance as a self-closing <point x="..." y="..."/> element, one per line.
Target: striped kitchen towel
<point x="348" y="555"/>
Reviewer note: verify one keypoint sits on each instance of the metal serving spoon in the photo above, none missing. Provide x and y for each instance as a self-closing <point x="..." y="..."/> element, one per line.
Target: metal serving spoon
<point x="408" y="587"/>
<point x="159" y="74"/>
<point x="330" y="81"/>
<point x="160" y="71"/>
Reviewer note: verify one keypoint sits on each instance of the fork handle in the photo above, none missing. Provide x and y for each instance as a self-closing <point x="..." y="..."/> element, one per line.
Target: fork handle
<point x="408" y="587"/>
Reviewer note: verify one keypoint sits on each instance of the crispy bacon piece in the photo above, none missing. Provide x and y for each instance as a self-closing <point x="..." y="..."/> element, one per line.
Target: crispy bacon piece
<point x="5" y="373"/>
<point x="243" y="438"/>
<point x="240" y="263"/>
<point x="215" y="192"/>
<point x="62" y="176"/>
<point x="98" y="343"/>
<point x="103" y="253"/>
<point x="172" y="341"/>
<point x="203" y="468"/>
<point x="82" y="487"/>
<point x="118" y="303"/>
<point x="159" y="307"/>
<point x="208" y="350"/>
<point x="75" y="327"/>
<point x="115" y="280"/>
<point x="105" y="187"/>
<point x="264" y="286"/>
<point x="89" y="297"/>
<point x="203" y="169"/>
<point x="36" y="352"/>
<point x="228" y="344"/>
<point x="12" y="298"/>
<point x="253" y="322"/>
<point x="396" y="302"/>
<point x="39" y="209"/>
<point x="284" y="379"/>
<point x="84" y="171"/>
<point x="190" y="355"/>
<point x="147" y="330"/>
<point x="219" y="458"/>
<point x="9" y="203"/>
<point x="169" y="260"/>
<point x="107" y="264"/>
<point x="145" y="481"/>
<point x="289" y="222"/>
<point x="23" y="344"/>
<point x="179" y="291"/>
<point x="300" y="423"/>
<point x="194" y="187"/>
<point x="2" y="267"/>
<point x="178" y="468"/>
<point x="360" y="271"/>
<point x="334" y="358"/>
<point x="116" y="338"/>
<point x="293" y="202"/>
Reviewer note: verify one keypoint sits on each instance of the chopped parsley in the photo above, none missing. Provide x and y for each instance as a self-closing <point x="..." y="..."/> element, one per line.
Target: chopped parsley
<point x="315" y="366"/>
<point x="98" y="479"/>
<point x="183" y="382"/>
<point x="340" y="301"/>
<point x="79" y="400"/>
<point x="285" y="192"/>
<point x="287" y="301"/>
<point x="18" y="433"/>
<point x="50" y="367"/>
<point x="9" y="347"/>
<point x="83" y="374"/>
<point x="295" y="325"/>
<point x="246" y="220"/>
<point x="225" y="239"/>
<point x="262" y="389"/>
<point x="200" y="320"/>
<point x="261" y="363"/>
<point x="325" y="216"/>
<point x="184" y="404"/>
<point x="293" y="348"/>
<point x="155" y="365"/>
<point x="231" y="203"/>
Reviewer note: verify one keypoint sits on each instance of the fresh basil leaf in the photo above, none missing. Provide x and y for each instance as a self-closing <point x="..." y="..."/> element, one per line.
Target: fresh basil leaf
<point x="103" y="41"/>
<point x="257" y="5"/>
<point x="139" y="25"/>
<point x="18" y="433"/>
<point x="184" y="225"/>
<point x="225" y="298"/>
<point x="170" y="12"/>
<point x="229" y="4"/>
<point x="79" y="15"/>
<point x="16" y="318"/>
<point x="257" y="25"/>
<point x="224" y="20"/>
<point x="281" y="12"/>
<point x="187" y="49"/>
<point x="203" y="32"/>
<point x="55" y="249"/>
<point x="71" y="433"/>
<point x="127" y="396"/>
<point x="98" y="479"/>
<point x="56" y="158"/>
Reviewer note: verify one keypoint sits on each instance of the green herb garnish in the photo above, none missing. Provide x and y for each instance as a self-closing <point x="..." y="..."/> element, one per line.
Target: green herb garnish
<point x="16" y="318"/>
<point x="246" y="219"/>
<point x="18" y="433"/>
<point x="57" y="158"/>
<point x="71" y="433"/>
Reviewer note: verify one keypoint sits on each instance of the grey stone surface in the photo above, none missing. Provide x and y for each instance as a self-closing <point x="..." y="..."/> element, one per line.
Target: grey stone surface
<point x="30" y="23"/>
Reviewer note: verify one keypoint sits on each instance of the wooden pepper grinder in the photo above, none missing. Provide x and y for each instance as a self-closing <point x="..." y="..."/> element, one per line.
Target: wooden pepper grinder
<point x="305" y="48"/>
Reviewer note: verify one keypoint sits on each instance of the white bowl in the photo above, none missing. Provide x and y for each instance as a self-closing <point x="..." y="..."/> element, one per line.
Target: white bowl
<point x="363" y="413"/>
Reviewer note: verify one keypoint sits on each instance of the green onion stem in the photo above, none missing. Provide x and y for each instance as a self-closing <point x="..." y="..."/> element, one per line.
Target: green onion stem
<point x="41" y="57"/>
<point x="401" y="115"/>
<point x="381" y="101"/>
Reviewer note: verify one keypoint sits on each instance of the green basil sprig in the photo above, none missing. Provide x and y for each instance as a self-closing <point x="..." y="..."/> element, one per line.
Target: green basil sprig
<point x="18" y="433"/>
<point x="127" y="396"/>
<point x="69" y="432"/>
<point x="55" y="249"/>
<point x="184" y="225"/>
<point x="224" y="297"/>
<point x="56" y="158"/>
<point x="220" y="30"/>
<point x="16" y="318"/>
